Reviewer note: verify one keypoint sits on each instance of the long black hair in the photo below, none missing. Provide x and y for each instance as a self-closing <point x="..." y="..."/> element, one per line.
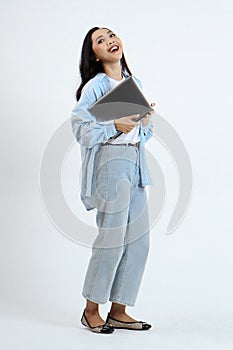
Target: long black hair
<point x="88" y="65"/>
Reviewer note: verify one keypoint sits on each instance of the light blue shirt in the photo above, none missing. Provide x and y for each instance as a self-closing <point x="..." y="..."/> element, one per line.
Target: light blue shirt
<point x="89" y="133"/>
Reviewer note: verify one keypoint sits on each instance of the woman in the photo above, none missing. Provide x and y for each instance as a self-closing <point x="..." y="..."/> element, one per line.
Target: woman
<point x="114" y="175"/>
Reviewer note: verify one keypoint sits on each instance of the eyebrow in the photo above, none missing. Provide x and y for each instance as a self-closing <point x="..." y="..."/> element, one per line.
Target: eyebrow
<point x="102" y="35"/>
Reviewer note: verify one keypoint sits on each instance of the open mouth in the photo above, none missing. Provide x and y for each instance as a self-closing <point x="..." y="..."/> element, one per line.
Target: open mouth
<point x="115" y="48"/>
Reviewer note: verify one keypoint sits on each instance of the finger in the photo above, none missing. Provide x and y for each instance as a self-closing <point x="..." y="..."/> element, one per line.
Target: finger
<point x="134" y="116"/>
<point x="129" y="129"/>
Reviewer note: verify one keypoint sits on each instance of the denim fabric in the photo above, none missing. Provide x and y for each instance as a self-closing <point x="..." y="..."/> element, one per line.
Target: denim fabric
<point x="89" y="134"/>
<point x="120" y="250"/>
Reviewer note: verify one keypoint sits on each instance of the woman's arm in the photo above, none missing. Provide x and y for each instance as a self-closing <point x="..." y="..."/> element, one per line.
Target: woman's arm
<point x="87" y="131"/>
<point x="147" y="129"/>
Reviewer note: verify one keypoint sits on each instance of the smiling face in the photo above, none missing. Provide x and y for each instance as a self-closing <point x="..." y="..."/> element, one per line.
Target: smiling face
<point x="106" y="45"/>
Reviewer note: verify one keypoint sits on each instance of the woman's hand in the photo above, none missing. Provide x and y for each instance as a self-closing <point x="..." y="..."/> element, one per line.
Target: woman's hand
<point x="145" y="120"/>
<point x="126" y="124"/>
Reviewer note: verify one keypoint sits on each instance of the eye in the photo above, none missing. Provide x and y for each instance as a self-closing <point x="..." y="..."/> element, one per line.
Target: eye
<point x="100" y="41"/>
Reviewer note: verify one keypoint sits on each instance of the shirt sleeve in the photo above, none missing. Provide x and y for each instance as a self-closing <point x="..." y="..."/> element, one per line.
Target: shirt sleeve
<point x="87" y="131"/>
<point x="147" y="130"/>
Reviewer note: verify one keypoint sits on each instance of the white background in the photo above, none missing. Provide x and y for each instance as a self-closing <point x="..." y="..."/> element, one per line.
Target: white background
<point x="182" y="52"/>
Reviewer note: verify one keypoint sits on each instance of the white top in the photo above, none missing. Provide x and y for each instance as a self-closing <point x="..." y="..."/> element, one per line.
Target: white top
<point x="133" y="135"/>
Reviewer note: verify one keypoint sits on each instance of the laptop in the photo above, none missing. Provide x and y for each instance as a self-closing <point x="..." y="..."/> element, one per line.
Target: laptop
<point x="123" y="100"/>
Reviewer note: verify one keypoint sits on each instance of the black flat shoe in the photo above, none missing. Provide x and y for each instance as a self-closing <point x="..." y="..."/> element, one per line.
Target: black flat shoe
<point x="104" y="328"/>
<point x="136" y="326"/>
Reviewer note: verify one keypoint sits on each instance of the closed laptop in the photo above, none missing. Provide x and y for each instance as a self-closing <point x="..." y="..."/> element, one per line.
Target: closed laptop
<point x="123" y="100"/>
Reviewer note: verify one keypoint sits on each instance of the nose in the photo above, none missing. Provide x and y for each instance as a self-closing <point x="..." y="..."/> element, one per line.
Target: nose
<point x="111" y="41"/>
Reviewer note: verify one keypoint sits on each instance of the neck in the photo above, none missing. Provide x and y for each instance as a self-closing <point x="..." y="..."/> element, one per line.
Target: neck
<point x="113" y="70"/>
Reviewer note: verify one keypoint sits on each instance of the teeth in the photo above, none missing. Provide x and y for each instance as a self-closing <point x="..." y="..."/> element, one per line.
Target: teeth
<point x="114" y="47"/>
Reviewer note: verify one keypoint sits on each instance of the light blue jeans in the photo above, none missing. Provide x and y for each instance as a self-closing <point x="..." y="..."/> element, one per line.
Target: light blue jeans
<point x="120" y="250"/>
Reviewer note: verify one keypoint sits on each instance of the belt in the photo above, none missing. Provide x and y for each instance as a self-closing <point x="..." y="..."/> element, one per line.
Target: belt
<point x="120" y="144"/>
